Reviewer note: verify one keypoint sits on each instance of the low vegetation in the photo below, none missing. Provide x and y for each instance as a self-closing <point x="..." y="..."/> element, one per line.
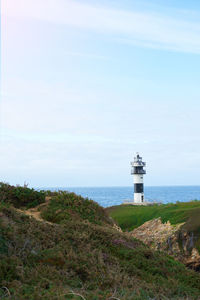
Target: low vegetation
<point x="19" y="196"/>
<point x="65" y="206"/>
<point x="79" y="255"/>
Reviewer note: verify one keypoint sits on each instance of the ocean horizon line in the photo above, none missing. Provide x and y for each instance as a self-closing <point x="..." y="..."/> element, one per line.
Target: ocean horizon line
<point x="115" y="186"/>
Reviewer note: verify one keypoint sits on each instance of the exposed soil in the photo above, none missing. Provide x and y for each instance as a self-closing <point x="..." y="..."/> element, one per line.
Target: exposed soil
<point x="36" y="211"/>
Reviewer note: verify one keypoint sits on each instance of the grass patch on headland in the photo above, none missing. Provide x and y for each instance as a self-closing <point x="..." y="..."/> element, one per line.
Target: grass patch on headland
<point x="129" y="217"/>
<point x="79" y="252"/>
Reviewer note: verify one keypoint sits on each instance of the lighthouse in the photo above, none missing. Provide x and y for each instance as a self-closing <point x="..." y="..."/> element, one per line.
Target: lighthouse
<point x="138" y="171"/>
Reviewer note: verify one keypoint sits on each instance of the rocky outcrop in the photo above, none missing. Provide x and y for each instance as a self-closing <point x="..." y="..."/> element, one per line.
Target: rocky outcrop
<point x="171" y="239"/>
<point x="117" y="228"/>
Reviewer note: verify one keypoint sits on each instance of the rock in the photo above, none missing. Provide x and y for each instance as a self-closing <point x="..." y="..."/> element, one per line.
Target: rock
<point x="117" y="228"/>
<point x="193" y="262"/>
<point x="156" y="234"/>
<point x="169" y="239"/>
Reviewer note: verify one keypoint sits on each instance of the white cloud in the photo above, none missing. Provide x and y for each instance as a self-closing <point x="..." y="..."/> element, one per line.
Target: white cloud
<point x="144" y="28"/>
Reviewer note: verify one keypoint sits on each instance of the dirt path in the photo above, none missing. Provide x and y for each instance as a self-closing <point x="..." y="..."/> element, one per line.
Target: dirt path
<point x="35" y="212"/>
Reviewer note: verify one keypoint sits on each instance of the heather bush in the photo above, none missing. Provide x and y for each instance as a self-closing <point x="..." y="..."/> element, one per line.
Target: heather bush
<point x="65" y="206"/>
<point x="20" y="196"/>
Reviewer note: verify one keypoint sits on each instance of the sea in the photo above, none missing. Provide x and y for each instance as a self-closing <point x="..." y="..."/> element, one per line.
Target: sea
<point x="110" y="196"/>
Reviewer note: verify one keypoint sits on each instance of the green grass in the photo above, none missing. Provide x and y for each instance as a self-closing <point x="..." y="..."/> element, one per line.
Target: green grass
<point x="81" y="253"/>
<point x="129" y="217"/>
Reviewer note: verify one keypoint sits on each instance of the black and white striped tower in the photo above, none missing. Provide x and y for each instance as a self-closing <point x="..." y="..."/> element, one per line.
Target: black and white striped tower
<point x="138" y="172"/>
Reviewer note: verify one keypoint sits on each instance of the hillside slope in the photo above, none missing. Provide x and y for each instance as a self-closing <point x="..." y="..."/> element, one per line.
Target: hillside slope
<point x="79" y="252"/>
<point x="130" y="217"/>
<point x="173" y="228"/>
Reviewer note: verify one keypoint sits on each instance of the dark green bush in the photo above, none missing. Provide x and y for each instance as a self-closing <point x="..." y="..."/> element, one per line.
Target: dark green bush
<point x="20" y="196"/>
<point x="65" y="206"/>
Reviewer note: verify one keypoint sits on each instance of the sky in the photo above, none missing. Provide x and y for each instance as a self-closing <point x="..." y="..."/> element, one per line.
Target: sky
<point x="85" y="84"/>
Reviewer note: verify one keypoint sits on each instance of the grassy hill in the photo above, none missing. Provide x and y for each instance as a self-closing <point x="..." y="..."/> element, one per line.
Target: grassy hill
<point x="74" y="249"/>
<point x="129" y="217"/>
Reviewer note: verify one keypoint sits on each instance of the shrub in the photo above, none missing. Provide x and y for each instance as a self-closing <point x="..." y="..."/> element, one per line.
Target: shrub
<point x="20" y="196"/>
<point x="68" y="206"/>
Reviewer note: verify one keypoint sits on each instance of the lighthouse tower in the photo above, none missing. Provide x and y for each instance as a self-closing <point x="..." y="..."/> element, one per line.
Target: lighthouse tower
<point x="138" y="172"/>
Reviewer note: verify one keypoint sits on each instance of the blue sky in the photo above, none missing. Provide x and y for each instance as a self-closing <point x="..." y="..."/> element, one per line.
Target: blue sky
<point x="86" y="84"/>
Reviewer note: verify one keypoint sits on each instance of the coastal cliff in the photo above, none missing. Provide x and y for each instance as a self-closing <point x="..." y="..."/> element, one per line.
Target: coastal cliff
<point x="173" y="240"/>
<point x="171" y="228"/>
